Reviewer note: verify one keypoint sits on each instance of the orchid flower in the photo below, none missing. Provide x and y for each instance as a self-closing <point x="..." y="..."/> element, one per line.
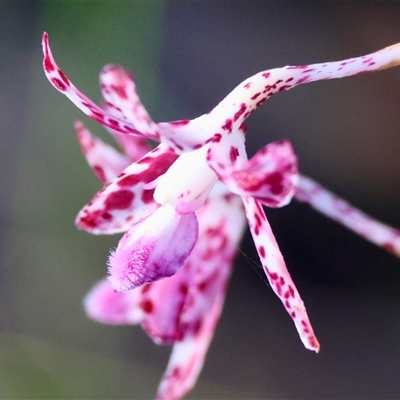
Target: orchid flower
<point x="180" y="206"/>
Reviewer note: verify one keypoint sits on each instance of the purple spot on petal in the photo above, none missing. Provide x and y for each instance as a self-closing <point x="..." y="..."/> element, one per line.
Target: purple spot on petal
<point x="119" y="200"/>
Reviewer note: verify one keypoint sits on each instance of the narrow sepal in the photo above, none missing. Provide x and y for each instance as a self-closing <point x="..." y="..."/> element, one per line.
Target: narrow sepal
<point x="332" y="206"/>
<point x="254" y="91"/>
<point x="119" y="91"/>
<point x="105" y="161"/>
<point x="60" y="81"/>
<point x="278" y="276"/>
<point x="134" y="146"/>
<point x="187" y="358"/>
<point x="231" y="112"/>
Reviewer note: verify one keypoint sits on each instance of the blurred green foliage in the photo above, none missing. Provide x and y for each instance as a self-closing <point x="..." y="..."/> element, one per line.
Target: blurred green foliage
<point x="34" y="369"/>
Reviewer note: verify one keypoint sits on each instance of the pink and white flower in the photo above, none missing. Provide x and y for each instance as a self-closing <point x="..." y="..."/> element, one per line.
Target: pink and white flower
<point x="181" y="207"/>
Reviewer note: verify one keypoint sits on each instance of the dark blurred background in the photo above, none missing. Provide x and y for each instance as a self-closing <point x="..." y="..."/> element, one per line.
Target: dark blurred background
<point x="186" y="57"/>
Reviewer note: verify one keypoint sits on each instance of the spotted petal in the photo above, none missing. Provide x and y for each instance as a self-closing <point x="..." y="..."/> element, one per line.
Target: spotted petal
<point x="162" y="302"/>
<point x="125" y="201"/>
<point x="157" y="306"/>
<point x="327" y="203"/>
<point x="104" y="304"/>
<point x="270" y="176"/>
<point x="188" y="356"/>
<point x="134" y="146"/>
<point x="105" y="161"/>
<point x="277" y="273"/>
<point x="119" y="92"/>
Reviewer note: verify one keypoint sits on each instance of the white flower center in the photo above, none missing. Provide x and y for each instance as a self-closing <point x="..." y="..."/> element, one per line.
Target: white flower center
<point x="186" y="179"/>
